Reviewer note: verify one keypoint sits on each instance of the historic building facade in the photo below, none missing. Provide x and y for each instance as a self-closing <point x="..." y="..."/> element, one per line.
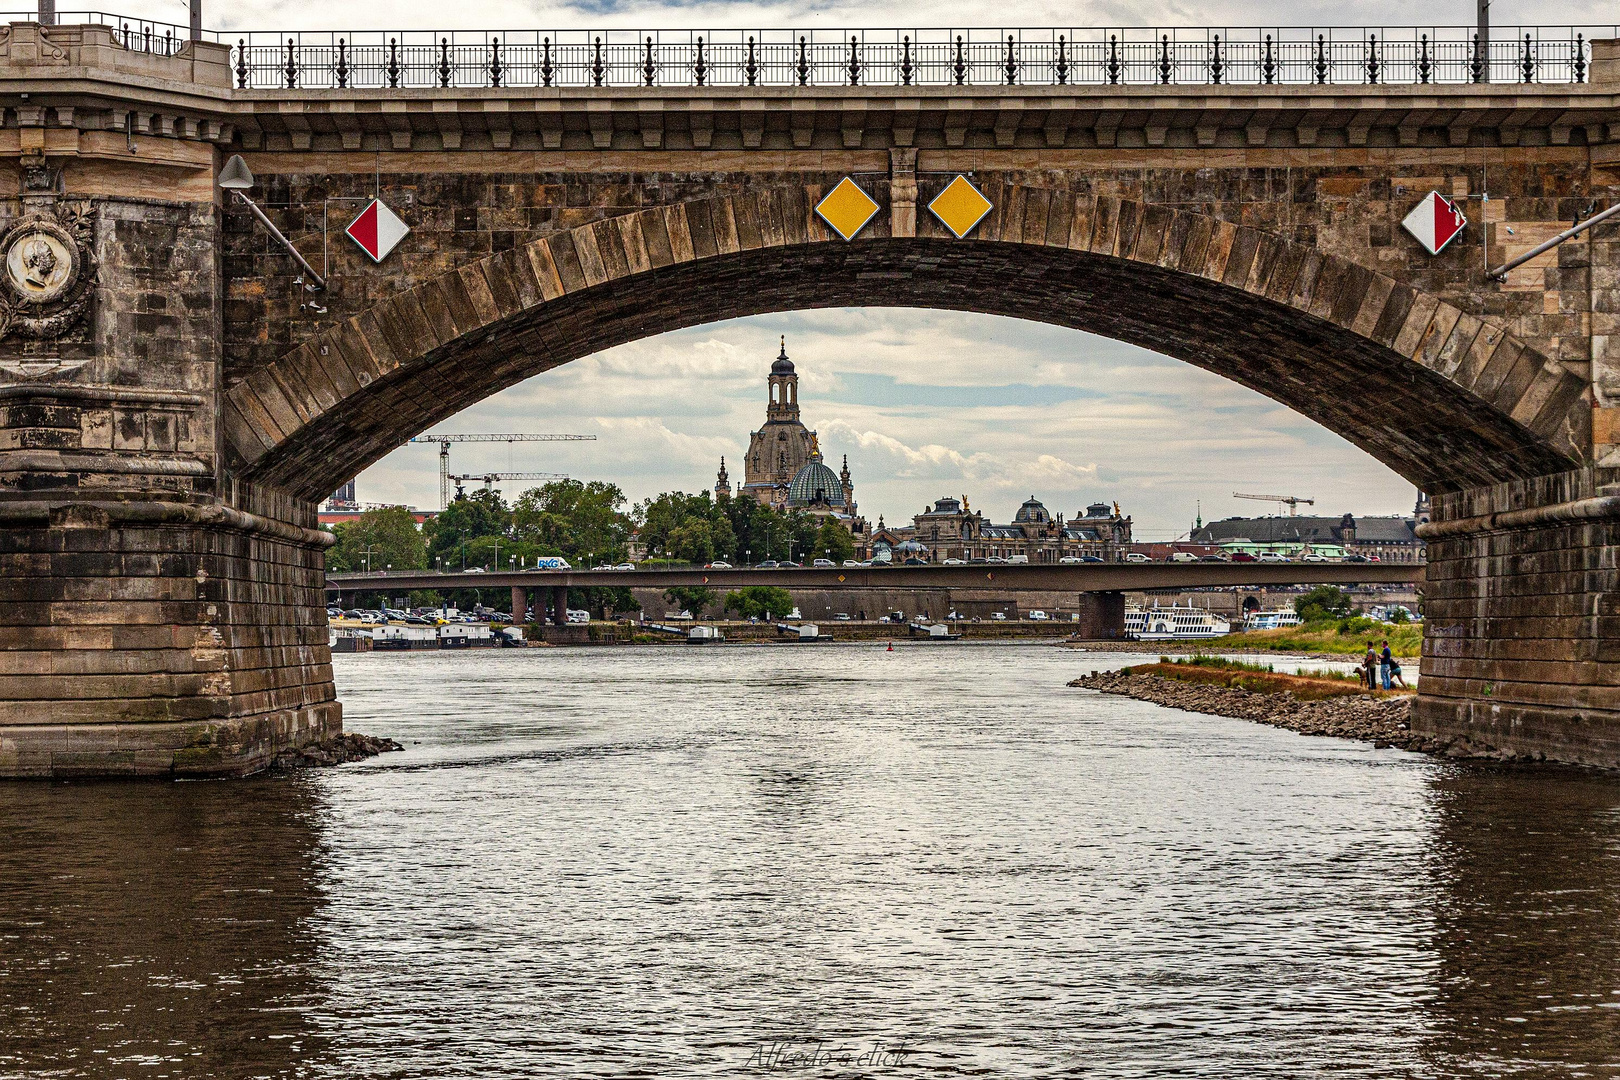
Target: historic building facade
<point x="1387" y="539"/>
<point x="784" y="469"/>
<point x="951" y="529"/>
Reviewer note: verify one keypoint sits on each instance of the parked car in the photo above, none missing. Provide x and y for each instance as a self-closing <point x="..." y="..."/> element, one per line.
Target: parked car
<point x="842" y="616"/>
<point x="576" y="616"/>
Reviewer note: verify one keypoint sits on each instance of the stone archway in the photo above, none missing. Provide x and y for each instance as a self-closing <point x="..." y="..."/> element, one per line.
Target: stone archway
<point x="1447" y="400"/>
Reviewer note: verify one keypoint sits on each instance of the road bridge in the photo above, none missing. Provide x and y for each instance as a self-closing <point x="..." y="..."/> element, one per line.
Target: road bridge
<point x="177" y="392"/>
<point x="1100" y="586"/>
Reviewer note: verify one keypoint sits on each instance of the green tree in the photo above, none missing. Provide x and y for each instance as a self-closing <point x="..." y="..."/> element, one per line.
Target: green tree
<point x="759" y="601"/>
<point x="693" y="598"/>
<point x="391" y="535"/>
<point x="833" y="542"/>
<point x="691" y="541"/>
<point x="1323" y="604"/>
<point x="481" y="514"/>
<point x="580" y="521"/>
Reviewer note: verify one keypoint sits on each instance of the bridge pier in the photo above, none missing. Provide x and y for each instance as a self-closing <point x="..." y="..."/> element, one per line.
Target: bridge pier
<point x="520" y="605"/>
<point x="152" y="637"/>
<point x="1521" y="647"/>
<point x="1102" y="616"/>
<point x="559" y="606"/>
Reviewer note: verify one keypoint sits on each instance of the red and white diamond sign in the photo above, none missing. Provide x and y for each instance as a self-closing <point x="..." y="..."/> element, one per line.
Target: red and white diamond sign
<point x="377" y="230"/>
<point x="1435" y="222"/>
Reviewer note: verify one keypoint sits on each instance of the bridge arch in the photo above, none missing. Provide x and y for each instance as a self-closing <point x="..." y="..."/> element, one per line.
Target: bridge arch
<point x="1444" y="398"/>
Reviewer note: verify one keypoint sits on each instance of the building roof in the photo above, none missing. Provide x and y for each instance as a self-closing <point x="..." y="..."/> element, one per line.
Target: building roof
<point x="1033" y="511"/>
<point x="816" y="483"/>
<point x="782" y="366"/>
<point x="1307" y="530"/>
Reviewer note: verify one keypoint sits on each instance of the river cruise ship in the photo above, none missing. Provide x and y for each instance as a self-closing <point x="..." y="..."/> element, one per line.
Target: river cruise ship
<point x="1174" y="624"/>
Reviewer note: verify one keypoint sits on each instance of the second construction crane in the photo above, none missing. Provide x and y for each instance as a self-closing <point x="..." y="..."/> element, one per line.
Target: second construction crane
<point x="444" y="442"/>
<point x="493" y="478"/>
<point x="1290" y="501"/>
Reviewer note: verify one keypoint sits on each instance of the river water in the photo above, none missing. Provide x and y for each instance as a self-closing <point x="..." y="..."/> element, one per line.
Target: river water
<point x="710" y="862"/>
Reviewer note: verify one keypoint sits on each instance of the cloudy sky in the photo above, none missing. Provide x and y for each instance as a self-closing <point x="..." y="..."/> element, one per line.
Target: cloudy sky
<point x="924" y="403"/>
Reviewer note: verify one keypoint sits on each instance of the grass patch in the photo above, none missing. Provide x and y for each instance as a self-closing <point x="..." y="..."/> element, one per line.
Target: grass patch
<point x="1258" y="678"/>
<point x="1351" y="637"/>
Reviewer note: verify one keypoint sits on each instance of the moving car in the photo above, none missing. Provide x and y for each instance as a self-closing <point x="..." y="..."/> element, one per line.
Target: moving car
<point x="717" y="566"/>
<point x="1243" y="556"/>
<point x="952" y="562"/>
<point x="1136" y="557"/>
<point x="825" y="564"/>
<point x="1038" y="616"/>
<point x="625" y="566"/>
<point x="1271" y="556"/>
<point x="768" y="564"/>
<point x="1182" y="556"/>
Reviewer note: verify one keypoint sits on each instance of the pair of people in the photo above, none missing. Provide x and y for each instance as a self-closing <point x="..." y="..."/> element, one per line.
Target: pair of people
<point x="1379" y="666"/>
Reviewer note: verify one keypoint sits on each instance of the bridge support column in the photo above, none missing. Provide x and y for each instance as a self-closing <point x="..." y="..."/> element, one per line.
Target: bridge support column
<point x="520" y="605"/>
<point x="158" y="638"/>
<point x="1521" y="648"/>
<point x="559" y="606"/>
<point x="1102" y="616"/>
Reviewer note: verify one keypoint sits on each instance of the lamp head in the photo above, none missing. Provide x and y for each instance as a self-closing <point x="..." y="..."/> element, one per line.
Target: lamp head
<point x="235" y="176"/>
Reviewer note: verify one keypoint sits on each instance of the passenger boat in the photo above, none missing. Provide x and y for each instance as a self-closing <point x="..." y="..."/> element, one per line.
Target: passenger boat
<point x="1174" y="624"/>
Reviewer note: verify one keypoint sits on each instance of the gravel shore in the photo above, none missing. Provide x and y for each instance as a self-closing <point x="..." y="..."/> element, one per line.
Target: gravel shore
<point x="1383" y="722"/>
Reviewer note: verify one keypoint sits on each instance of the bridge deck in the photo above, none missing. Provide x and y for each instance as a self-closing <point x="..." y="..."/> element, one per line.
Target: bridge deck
<point x="1087" y="577"/>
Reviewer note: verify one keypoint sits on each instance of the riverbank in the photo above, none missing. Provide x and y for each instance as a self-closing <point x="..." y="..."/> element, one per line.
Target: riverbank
<point x="1405" y="641"/>
<point x="1382" y="721"/>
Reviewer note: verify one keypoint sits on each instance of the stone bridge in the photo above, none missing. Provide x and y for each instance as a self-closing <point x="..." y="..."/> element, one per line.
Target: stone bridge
<point x="176" y="394"/>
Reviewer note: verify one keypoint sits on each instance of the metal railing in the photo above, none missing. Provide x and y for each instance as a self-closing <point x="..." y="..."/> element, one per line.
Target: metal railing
<point x="1121" y="56"/>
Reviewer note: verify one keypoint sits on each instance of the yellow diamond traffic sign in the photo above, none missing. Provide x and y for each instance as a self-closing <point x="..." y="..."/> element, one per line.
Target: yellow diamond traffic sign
<point x="960" y="206"/>
<point x="847" y="208"/>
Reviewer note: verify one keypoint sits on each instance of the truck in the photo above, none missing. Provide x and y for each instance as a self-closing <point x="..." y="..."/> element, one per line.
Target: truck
<point x="550" y="562"/>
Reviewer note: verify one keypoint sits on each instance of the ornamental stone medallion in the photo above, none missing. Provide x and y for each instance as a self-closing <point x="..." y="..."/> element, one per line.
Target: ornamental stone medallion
<point x="48" y="273"/>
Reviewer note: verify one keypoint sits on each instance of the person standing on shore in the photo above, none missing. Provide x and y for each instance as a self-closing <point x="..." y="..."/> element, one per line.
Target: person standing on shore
<point x="1386" y="661"/>
<point x="1392" y="670"/>
<point x="1369" y="668"/>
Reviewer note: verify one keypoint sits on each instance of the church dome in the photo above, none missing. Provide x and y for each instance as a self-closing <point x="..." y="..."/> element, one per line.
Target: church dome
<point x="816" y="483"/>
<point x="1033" y="511"/>
<point x="782" y="366"/>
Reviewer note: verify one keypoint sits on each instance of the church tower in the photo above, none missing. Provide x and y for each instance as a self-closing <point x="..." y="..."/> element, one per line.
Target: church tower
<point x="722" y="484"/>
<point x="783" y="405"/>
<point x="849" y="486"/>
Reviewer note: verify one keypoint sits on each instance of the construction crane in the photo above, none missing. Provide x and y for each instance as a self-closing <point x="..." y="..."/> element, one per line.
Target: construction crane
<point x="444" y="442"/>
<point x="493" y="478"/>
<point x="1281" y="500"/>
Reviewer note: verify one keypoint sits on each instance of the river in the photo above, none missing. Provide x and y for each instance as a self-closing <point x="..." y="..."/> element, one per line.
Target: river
<point x="722" y="862"/>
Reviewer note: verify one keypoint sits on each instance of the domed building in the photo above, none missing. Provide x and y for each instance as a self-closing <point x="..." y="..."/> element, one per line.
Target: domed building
<point x="783" y="468"/>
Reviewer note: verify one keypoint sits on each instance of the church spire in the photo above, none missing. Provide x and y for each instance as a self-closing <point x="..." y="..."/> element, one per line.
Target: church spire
<point x="722" y="484"/>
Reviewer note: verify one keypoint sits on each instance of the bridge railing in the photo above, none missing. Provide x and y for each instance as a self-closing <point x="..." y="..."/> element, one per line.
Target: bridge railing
<point x="1124" y="56"/>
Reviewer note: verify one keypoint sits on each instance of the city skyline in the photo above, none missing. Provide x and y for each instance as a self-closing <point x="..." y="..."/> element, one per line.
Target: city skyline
<point x="926" y="404"/>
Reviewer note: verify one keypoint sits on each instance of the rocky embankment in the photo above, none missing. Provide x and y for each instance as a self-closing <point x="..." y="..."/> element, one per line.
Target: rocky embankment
<point x="346" y="747"/>
<point x="1381" y="721"/>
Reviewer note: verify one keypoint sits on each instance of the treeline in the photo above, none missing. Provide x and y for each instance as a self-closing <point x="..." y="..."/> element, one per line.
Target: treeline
<point x="589" y="524"/>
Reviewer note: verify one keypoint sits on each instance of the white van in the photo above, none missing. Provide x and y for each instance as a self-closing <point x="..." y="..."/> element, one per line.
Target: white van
<point x="1018" y="560"/>
<point x="1136" y="557"/>
<point x="1183" y="556"/>
<point x="1039" y="616"/>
